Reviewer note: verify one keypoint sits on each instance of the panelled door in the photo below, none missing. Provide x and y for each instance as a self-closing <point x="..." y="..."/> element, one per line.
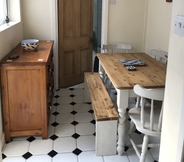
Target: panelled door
<point x="75" y="40"/>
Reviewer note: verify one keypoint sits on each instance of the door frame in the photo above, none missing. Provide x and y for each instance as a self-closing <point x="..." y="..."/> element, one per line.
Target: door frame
<point x="54" y="33"/>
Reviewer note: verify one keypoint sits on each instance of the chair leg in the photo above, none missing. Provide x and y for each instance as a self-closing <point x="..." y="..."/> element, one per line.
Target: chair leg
<point x="144" y="148"/>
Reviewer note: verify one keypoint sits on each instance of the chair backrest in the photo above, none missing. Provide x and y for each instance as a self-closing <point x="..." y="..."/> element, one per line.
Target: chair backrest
<point x="153" y="121"/>
<point x="124" y="47"/>
<point x="109" y="48"/>
<point x="116" y="48"/>
<point x="160" y="56"/>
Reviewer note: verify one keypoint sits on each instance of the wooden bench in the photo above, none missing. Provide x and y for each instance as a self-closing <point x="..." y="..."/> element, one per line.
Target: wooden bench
<point x="105" y="114"/>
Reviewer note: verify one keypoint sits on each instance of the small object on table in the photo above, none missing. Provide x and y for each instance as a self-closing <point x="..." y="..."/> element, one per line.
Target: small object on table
<point x="9" y="60"/>
<point x="14" y="56"/>
<point x="131" y="68"/>
<point x="133" y="62"/>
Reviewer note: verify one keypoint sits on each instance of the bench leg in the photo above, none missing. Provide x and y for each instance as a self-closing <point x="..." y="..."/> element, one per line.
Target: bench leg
<point x="86" y="93"/>
<point x="106" y="137"/>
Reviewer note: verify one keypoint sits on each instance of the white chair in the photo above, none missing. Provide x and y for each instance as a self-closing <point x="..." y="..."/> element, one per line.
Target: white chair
<point x="147" y="120"/>
<point x="109" y="48"/>
<point x="112" y="48"/>
<point x="160" y="56"/>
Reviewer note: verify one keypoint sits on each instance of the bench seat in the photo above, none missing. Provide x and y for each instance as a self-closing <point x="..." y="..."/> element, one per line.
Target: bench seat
<point x="105" y="114"/>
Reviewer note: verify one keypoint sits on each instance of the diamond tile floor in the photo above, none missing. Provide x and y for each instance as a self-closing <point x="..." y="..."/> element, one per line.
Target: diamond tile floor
<point x="71" y="135"/>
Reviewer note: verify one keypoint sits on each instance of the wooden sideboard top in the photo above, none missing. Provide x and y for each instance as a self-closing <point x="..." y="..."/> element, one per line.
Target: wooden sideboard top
<point x="29" y="57"/>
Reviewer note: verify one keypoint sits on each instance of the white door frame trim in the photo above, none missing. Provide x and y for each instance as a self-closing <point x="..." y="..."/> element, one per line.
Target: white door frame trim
<point x="54" y="36"/>
<point x="54" y="33"/>
<point x="105" y="18"/>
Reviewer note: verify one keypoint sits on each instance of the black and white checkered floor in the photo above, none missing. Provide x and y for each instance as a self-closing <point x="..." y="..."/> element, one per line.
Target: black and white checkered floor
<point x="71" y="136"/>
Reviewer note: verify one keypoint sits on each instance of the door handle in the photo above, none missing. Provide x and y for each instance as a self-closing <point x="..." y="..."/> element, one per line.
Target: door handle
<point x="91" y="40"/>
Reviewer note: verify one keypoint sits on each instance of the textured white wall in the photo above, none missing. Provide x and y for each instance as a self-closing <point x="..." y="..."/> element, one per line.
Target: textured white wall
<point x="158" y="24"/>
<point x="127" y="23"/>
<point x="37" y="22"/>
<point x="173" y="119"/>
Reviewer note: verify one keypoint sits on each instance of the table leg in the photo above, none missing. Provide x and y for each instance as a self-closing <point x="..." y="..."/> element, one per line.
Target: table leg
<point x="122" y="103"/>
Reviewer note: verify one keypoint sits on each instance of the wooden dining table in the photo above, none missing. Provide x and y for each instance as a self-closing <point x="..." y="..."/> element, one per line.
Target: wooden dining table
<point x="150" y="75"/>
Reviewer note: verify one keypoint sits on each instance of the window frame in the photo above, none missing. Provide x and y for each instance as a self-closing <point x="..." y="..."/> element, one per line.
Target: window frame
<point x="4" y="7"/>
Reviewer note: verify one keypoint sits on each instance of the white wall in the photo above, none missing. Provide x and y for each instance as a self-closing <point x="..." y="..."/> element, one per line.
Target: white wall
<point x="127" y="23"/>
<point x="36" y="16"/>
<point x="158" y="25"/>
<point x="10" y="38"/>
<point x="173" y="119"/>
<point x="144" y="24"/>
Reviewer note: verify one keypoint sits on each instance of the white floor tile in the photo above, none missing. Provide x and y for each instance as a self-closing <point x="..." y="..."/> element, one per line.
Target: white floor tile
<point x="51" y="130"/>
<point x="132" y="155"/>
<point x="86" y="143"/>
<point x="63" y="130"/>
<point x="83" y="117"/>
<point x="52" y="118"/>
<point x="85" y="128"/>
<point x="137" y="138"/>
<point x="116" y="158"/>
<point x="65" y="144"/>
<point x="16" y="148"/>
<point x="64" y="118"/>
<point x="81" y="85"/>
<point x="38" y="147"/>
<point x="81" y="107"/>
<point x="155" y="153"/>
<point x="64" y="109"/>
<point x="78" y="99"/>
<point x="14" y="159"/>
<point x="89" y="156"/>
<point x="54" y="99"/>
<point x="64" y="92"/>
<point x="78" y="91"/>
<point x="53" y="109"/>
<point x="39" y="158"/>
<point x="20" y="138"/>
<point x="64" y="100"/>
<point x="78" y="86"/>
<point x="67" y="157"/>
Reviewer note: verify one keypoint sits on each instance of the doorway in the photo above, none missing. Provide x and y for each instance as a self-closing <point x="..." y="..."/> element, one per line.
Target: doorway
<point x="97" y="30"/>
<point x="54" y="30"/>
<point x="75" y="19"/>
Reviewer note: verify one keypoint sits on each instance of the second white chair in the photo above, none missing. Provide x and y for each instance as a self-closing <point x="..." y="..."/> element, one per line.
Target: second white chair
<point x="112" y="48"/>
<point x="160" y="56"/>
<point x="147" y="120"/>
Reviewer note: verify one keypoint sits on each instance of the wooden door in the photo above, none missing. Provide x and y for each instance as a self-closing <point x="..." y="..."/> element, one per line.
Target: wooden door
<point x="75" y="35"/>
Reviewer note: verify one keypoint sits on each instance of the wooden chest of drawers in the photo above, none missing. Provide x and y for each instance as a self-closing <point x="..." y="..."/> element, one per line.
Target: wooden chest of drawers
<point x="27" y="85"/>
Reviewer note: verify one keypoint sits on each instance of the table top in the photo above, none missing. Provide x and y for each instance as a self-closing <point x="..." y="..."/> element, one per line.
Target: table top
<point x="152" y="75"/>
<point x="39" y="56"/>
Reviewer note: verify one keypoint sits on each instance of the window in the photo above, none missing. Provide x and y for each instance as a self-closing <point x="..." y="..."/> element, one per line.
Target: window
<point x="3" y="11"/>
